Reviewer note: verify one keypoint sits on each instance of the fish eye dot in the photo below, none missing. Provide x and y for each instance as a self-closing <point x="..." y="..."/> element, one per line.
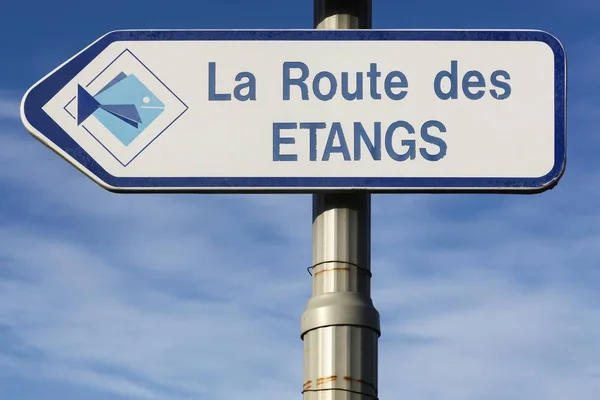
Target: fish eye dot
<point x="146" y="99"/>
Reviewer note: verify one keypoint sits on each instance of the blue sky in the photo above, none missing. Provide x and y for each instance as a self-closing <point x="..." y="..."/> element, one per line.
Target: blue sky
<point x="177" y="297"/>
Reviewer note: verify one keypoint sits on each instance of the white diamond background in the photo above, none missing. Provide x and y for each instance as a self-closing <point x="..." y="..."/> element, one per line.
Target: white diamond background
<point x="127" y="63"/>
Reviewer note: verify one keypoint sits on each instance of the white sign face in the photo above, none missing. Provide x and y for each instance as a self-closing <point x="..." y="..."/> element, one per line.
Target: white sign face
<point x="308" y="111"/>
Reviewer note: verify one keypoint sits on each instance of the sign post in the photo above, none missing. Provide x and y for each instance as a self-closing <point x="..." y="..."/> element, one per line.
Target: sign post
<point x="340" y="326"/>
<point x="341" y="111"/>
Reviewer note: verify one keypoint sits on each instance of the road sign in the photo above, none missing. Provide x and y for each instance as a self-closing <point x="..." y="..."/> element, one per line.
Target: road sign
<point x="298" y="111"/>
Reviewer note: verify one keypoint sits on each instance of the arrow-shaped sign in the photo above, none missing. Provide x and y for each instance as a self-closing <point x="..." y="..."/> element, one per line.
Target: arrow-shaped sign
<point x="307" y="111"/>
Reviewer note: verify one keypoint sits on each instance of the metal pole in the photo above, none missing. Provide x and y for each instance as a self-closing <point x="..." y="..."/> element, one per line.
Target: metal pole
<point x="340" y="326"/>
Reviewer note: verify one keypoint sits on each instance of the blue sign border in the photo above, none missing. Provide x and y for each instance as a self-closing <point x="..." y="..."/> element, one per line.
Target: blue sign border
<point x="40" y="94"/>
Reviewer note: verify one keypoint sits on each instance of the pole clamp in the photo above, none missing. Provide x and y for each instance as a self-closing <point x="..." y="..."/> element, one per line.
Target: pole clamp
<point x="340" y="309"/>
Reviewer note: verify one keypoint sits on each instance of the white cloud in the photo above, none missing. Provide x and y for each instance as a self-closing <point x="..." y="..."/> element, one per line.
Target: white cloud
<point x="9" y="107"/>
